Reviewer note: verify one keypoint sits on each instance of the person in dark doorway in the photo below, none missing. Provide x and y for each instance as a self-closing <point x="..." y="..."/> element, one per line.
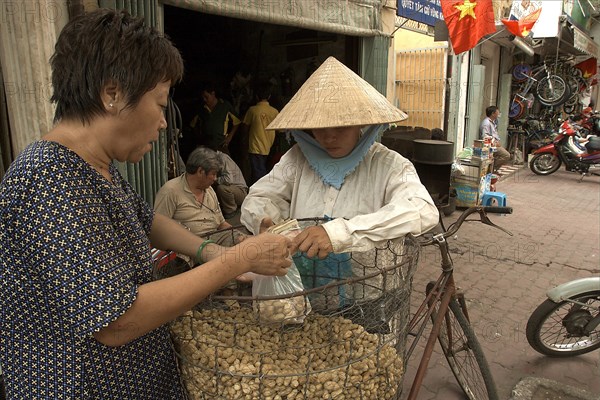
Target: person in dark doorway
<point x="190" y="198"/>
<point x="231" y="186"/>
<point x="216" y="122"/>
<point x="260" y="139"/>
<point x="80" y="314"/>
<point x="488" y="130"/>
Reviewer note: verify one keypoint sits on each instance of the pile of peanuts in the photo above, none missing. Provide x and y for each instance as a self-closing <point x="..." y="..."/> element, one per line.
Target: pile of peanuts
<point x="228" y="354"/>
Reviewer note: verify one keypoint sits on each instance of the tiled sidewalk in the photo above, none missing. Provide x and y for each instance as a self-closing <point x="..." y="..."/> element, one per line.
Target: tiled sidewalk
<point x="556" y="238"/>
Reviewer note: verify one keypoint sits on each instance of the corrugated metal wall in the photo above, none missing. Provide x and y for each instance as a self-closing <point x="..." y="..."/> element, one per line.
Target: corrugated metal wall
<point x="420" y="86"/>
<point x="374" y="61"/>
<point x="150" y="173"/>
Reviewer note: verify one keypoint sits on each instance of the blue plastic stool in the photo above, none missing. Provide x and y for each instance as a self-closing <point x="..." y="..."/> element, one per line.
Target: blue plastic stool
<point x="494" y="199"/>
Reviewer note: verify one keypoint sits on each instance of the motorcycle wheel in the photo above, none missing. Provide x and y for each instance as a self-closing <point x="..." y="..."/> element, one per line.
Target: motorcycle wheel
<point x="553" y="328"/>
<point x="544" y="164"/>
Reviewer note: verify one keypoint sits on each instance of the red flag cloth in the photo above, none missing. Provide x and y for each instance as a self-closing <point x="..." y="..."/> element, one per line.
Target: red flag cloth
<point x="588" y="67"/>
<point x="523" y="26"/>
<point x="468" y="21"/>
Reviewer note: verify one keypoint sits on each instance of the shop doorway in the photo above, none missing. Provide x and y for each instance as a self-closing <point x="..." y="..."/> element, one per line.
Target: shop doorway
<point x="235" y="54"/>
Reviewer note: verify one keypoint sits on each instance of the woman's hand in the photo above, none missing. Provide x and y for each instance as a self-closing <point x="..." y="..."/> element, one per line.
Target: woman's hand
<point x="314" y="241"/>
<point x="266" y="254"/>
<point x="265" y="224"/>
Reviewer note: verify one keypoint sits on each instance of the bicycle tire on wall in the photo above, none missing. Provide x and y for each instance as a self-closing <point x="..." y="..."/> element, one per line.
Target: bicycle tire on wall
<point x="520" y="72"/>
<point x="557" y="95"/>
<point x="516" y="109"/>
<point x="473" y="374"/>
<point x="568" y="108"/>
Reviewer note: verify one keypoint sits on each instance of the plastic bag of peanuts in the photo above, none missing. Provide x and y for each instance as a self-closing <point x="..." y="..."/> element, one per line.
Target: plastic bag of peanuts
<point x="291" y="308"/>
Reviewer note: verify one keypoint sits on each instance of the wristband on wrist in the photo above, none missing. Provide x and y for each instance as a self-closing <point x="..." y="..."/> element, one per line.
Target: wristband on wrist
<point x="198" y="258"/>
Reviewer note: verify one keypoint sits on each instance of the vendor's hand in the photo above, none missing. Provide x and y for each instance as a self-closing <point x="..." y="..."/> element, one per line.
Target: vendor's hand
<point x="314" y="241"/>
<point x="266" y="254"/>
<point x="265" y="224"/>
<point x="246" y="277"/>
<point x="239" y="237"/>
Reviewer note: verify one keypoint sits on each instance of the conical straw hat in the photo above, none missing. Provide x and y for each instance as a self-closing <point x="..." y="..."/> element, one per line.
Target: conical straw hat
<point x="334" y="96"/>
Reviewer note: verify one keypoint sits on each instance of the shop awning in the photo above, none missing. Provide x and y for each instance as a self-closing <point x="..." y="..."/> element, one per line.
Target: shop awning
<point x="583" y="42"/>
<point x="350" y="17"/>
<point x="570" y="40"/>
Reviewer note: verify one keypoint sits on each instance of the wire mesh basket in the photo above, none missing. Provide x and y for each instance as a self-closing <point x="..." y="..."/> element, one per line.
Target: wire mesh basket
<point x="349" y="345"/>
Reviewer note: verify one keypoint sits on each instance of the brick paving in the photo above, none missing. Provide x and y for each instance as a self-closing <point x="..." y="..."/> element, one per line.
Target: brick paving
<point x="556" y="228"/>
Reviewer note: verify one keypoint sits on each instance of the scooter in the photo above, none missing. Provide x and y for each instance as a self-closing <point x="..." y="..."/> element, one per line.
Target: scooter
<point x="591" y="123"/>
<point x="565" y="148"/>
<point x="568" y="322"/>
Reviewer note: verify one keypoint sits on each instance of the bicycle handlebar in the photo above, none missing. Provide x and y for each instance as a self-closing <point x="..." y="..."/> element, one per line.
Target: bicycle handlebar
<point x="482" y="210"/>
<point x="497" y="210"/>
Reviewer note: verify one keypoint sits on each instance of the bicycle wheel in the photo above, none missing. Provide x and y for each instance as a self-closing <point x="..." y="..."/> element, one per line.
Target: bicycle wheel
<point x="465" y="356"/>
<point x="521" y="72"/>
<point x="517" y="109"/>
<point x="552" y="90"/>
<point x="556" y="329"/>
<point x="568" y="108"/>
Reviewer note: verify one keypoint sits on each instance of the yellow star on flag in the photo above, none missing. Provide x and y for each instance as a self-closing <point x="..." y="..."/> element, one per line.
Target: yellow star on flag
<point x="466" y="8"/>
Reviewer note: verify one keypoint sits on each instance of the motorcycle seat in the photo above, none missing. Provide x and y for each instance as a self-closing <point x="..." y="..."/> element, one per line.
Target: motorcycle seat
<point x="593" y="144"/>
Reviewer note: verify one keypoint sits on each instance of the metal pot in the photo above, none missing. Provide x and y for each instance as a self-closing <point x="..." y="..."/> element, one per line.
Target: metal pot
<point x="437" y="152"/>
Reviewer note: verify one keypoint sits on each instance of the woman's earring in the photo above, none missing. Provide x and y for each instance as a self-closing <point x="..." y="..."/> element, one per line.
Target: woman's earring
<point x="110" y="105"/>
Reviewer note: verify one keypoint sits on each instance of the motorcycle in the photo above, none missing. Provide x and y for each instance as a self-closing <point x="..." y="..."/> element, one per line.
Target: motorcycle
<point x="567" y="323"/>
<point x="566" y="148"/>
<point x="591" y="123"/>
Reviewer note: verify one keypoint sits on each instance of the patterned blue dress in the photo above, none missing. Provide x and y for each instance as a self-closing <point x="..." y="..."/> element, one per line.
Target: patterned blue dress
<point x="73" y="250"/>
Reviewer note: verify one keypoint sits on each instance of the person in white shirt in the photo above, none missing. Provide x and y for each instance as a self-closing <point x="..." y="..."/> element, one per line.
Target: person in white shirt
<point x="337" y="170"/>
<point x="488" y="130"/>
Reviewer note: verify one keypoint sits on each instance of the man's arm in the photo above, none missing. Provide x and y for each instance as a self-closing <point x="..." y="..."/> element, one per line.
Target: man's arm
<point x="485" y="129"/>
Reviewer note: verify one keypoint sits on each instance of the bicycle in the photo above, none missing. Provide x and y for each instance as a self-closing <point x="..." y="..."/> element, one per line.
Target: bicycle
<point x="378" y="317"/>
<point x="550" y="89"/>
<point x="529" y="133"/>
<point x="445" y="305"/>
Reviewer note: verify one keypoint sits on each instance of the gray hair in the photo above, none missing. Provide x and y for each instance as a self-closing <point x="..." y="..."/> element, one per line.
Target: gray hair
<point x="204" y="158"/>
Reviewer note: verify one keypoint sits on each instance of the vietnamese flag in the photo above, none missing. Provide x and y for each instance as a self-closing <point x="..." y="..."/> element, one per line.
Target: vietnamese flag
<point x="468" y="21"/>
<point x="523" y="26"/>
<point x="588" y="67"/>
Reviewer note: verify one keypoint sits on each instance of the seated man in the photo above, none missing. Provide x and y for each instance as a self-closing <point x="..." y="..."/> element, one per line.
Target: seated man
<point x="488" y="130"/>
<point x="191" y="200"/>
<point x="231" y="186"/>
